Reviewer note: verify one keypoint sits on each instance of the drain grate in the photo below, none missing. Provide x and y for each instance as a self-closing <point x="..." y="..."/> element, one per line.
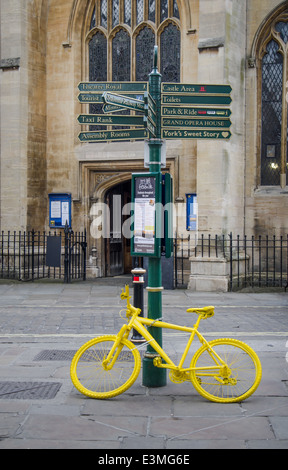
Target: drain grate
<point x="55" y="355"/>
<point x="29" y="390"/>
<point x="67" y="355"/>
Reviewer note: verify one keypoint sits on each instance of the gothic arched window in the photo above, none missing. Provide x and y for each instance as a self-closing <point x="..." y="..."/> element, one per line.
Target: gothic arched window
<point x="122" y="35"/>
<point x="121" y="56"/>
<point x="274" y="77"/>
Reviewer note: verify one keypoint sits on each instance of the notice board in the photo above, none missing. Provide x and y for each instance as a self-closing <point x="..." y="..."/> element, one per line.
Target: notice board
<point x="145" y="196"/>
<point x="59" y="210"/>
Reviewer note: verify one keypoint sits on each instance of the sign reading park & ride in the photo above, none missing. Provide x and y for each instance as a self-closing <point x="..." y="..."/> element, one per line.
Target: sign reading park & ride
<point x="181" y="111"/>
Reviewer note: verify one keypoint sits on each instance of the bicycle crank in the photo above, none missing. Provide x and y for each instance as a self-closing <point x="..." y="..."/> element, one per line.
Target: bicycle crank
<point x="176" y="376"/>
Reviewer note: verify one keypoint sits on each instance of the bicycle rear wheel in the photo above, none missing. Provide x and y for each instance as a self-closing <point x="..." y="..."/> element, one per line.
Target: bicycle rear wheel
<point x="93" y="379"/>
<point x="235" y="381"/>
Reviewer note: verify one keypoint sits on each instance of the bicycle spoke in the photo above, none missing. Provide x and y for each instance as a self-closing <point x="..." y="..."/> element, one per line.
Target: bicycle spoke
<point x="238" y="376"/>
<point x="93" y="378"/>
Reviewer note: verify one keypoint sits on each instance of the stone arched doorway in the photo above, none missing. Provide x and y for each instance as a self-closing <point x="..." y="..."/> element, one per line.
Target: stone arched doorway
<point x="118" y="259"/>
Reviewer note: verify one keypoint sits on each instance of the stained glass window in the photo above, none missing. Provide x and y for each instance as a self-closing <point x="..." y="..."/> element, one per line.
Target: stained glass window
<point x="151" y="14"/>
<point x="97" y="66"/>
<point x="98" y="58"/>
<point x="282" y="28"/>
<point x="140" y="11"/>
<point x="103" y="20"/>
<point x="144" y="46"/>
<point x="131" y="53"/>
<point x="115" y="12"/>
<point x="175" y="9"/>
<point x="127" y="12"/>
<point x="163" y="9"/>
<point x="132" y="28"/>
<point x="274" y="149"/>
<point x="170" y="54"/>
<point x="121" y="56"/>
<point x="272" y="76"/>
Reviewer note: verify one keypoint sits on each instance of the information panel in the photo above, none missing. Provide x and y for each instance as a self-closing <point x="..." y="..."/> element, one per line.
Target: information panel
<point x="59" y="210"/>
<point x="145" y="196"/>
<point x="192" y="212"/>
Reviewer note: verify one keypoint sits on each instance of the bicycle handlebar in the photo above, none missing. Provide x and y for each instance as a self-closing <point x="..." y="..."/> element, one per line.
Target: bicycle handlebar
<point x="130" y="309"/>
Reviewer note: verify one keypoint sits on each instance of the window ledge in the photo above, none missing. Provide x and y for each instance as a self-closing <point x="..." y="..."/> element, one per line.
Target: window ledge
<point x="270" y="190"/>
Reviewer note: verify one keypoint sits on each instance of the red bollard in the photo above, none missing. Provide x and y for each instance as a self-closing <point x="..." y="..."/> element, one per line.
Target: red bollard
<point x="138" y="300"/>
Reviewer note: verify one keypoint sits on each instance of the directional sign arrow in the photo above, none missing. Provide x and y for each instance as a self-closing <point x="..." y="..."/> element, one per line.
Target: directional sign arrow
<point x="181" y="111"/>
<point x="124" y="101"/>
<point x="103" y="136"/>
<point x="192" y="89"/>
<point x="102" y="120"/>
<point x="118" y="87"/>
<point x="196" y="99"/>
<point x="91" y="97"/>
<point x="111" y="108"/>
<point x="195" y="134"/>
<point x="149" y="125"/>
<point x="196" y="122"/>
<point x="151" y="104"/>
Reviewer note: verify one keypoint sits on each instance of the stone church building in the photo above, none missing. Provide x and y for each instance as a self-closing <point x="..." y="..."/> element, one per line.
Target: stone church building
<point x="48" y="47"/>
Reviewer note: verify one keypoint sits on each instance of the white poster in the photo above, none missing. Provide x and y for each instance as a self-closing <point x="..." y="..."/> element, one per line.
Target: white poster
<point x="65" y="213"/>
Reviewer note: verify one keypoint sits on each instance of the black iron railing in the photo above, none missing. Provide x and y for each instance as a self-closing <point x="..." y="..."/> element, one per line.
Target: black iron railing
<point x="25" y="255"/>
<point x="256" y="261"/>
<point x="260" y="261"/>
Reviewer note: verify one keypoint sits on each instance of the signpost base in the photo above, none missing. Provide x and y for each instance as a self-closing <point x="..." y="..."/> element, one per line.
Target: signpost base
<point x="153" y="376"/>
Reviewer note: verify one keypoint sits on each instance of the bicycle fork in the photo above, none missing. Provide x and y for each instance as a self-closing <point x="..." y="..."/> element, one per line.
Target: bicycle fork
<point x="116" y="349"/>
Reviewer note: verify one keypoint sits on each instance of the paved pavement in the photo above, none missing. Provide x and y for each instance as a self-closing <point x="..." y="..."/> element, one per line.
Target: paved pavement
<point x="41" y="325"/>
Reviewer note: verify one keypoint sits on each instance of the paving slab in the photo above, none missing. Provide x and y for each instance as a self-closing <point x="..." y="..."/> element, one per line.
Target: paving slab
<point x="244" y="428"/>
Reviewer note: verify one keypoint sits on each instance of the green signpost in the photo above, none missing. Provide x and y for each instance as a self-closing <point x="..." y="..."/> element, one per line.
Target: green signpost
<point x="168" y="111"/>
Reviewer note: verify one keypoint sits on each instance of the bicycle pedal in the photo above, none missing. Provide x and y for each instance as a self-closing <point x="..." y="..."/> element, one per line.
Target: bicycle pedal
<point x="157" y="361"/>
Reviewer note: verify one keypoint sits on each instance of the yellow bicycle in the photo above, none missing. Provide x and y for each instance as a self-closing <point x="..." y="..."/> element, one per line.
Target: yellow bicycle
<point x="223" y="370"/>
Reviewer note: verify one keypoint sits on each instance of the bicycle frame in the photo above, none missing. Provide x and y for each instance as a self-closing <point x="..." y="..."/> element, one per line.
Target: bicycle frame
<point x="137" y="324"/>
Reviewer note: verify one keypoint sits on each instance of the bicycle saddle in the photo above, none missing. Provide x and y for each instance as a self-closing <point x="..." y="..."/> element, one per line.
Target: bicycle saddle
<point x="205" y="312"/>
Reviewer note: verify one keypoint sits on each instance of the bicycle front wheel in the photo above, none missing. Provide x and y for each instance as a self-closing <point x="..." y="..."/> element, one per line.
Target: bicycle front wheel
<point x="230" y="380"/>
<point x="90" y="376"/>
